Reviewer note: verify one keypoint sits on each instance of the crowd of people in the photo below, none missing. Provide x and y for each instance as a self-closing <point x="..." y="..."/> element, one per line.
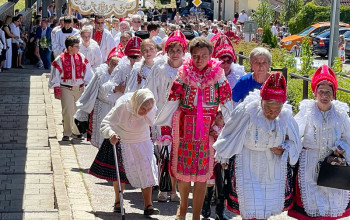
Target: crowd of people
<point x="147" y="87"/>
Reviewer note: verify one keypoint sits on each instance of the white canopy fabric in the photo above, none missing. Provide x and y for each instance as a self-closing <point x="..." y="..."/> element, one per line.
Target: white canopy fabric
<point x="119" y="8"/>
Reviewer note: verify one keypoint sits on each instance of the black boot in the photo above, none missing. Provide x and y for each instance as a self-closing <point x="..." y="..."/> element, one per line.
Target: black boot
<point x="206" y="204"/>
<point x="220" y="194"/>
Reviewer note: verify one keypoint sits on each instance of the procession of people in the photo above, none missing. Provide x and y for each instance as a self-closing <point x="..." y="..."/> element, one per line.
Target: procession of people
<point x="224" y="129"/>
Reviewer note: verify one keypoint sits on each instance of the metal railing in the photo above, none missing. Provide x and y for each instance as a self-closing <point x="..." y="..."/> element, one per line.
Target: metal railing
<point x="285" y="73"/>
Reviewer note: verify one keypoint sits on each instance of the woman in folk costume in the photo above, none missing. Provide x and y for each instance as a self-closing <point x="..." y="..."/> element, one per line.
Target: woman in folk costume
<point x="200" y="88"/>
<point x="90" y="48"/>
<point x="141" y="70"/>
<point x="117" y="83"/>
<point x="161" y="78"/>
<point x="94" y="104"/>
<point x="119" y="49"/>
<point x="223" y="51"/>
<point x="324" y="127"/>
<point x="263" y="136"/>
<point x="127" y="125"/>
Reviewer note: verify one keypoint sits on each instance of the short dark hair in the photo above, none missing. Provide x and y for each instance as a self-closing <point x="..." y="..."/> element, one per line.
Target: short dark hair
<point x="71" y="40"/>
<point x="152" y="26"/>
<point x="67" y="19"/>
<point x="99" y="16"/>
<point x="201" y="42"/>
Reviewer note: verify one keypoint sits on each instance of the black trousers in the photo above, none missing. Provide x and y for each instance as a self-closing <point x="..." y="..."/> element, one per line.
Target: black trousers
<point x="14" y="55"/>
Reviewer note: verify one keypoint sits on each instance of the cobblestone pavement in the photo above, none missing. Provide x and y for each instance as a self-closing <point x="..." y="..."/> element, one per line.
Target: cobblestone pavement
<point x="26" y="175"/>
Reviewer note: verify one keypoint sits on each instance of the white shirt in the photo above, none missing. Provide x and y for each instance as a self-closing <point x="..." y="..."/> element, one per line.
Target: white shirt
<point x="55" y="76"/>
<point x="92" y="53"/>
<point x="15" y="31"/>
<point x="243" y="17"/>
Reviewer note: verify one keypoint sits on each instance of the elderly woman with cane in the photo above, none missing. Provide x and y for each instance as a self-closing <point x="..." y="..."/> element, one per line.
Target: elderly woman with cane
<point x="263" y="137"/>
<point x="127" y="125"/>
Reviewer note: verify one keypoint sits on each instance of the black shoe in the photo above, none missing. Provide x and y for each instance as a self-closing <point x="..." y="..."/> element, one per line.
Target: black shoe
<point x="150" y="210"/>
<point x="78" y="136"/>
<point x="221" y="216"/>
<point x="65" y="138"/>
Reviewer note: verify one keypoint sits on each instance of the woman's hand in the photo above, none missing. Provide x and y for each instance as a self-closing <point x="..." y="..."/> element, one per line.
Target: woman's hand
<point x="120" y="88"/>
<point x="277" y="150"/>
<point x="114" y="139"/>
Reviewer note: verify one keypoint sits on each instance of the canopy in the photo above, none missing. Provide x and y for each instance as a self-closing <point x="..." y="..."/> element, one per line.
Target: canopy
<point x="119" y="8"/>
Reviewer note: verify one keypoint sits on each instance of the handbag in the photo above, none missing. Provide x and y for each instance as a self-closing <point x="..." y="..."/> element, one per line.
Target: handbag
<point x="334" y="173"/>
<point x="164" y="179"/>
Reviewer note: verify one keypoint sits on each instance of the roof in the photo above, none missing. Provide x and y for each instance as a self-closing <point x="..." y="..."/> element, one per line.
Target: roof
<point x="329" y="2"/>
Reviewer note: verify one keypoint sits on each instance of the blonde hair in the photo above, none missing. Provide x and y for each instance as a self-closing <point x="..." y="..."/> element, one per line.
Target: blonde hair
<point x="147" y="42"/>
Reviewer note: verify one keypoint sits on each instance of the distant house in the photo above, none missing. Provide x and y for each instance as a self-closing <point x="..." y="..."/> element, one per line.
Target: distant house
<point x="232" y="6"/>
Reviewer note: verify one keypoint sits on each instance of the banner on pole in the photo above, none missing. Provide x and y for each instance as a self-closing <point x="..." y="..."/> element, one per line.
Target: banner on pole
<point x="119" y="8"/>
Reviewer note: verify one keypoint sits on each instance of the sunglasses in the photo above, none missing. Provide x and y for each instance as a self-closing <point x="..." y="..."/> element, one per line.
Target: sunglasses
<point x="99" y="22"/>
<point x="136" y="22"/>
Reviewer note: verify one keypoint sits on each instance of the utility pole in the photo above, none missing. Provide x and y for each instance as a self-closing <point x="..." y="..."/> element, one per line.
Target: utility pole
<point x="334" y="38"/>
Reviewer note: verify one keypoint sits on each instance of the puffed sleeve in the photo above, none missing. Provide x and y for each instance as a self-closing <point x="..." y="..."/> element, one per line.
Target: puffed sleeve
<point x="225" y="96"/>
<point x="231" y="139"/>
<point x="292" y="144"/>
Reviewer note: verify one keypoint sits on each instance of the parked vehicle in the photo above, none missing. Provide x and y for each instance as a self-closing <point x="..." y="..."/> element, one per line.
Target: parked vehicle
<point x="347" y="44"/>
<point x="207" y="11"/>
<point x="321" y="41"/>
<point x="311" y="31"/>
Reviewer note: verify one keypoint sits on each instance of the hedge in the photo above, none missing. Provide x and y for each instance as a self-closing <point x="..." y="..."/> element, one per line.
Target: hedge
<point x="282" y="58"/>
<point x="311" y="14"/>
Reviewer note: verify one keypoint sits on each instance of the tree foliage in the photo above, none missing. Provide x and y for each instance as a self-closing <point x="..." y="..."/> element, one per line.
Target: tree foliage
<point x="264" y="14"/>
<point x="306" y="58"/>
<point x="268" y="38"/>
<point x="290" y="9"/>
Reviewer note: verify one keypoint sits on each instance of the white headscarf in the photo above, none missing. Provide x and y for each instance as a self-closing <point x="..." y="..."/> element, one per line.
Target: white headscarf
<point x="139" y="97"/>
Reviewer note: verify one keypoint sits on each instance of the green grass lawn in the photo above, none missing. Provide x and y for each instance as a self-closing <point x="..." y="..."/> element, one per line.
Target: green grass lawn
<point x="20" y="4"/>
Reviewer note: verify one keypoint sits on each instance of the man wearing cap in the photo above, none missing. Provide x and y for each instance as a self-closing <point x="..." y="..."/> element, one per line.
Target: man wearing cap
<point x="266" y="144"/>
<point x="103" y="37"/>
<point x="70" y="72"/>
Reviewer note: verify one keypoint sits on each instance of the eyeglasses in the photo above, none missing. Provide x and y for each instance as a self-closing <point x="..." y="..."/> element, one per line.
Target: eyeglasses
<point x="136" y="22"/>
<point x="100" y="22"/>
<point x="228" y="61"/>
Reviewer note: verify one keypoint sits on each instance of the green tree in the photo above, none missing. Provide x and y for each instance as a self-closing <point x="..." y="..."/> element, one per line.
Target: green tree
<point x="290" y="9"/>
<point x="264" y="14"/>
<point x="268" y="38"/>
<point x="307" y="59"/>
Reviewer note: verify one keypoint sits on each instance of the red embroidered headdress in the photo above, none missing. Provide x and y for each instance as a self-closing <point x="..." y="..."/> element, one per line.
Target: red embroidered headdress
<point x="275" y="88"/>
<point x="215" y="37"/>
<point x="322" y="74"/>
<point x="176" y="36"/>
<point x="223" y="47"/>
<point x="133" y="47"/>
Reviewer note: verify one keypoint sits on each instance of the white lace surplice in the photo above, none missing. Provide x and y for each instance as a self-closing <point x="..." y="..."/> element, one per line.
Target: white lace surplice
<point x="260" y="175"/>
<point x="321" y="134"/>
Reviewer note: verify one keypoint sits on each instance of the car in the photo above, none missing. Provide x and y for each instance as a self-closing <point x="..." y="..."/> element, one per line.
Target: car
<point x="312" y="31"/>
<point x="321" y="42"/>
<point x="347" y="44"/>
